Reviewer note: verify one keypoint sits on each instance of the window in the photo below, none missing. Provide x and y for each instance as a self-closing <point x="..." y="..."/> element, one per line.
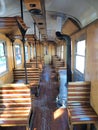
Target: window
<point x="3" y="57"/>
<point x="34" y="51"/>
<point x="58" y="51"/>
<point x="46" y="50"/>
<point x="62" y="51"/>
<point x="18" y="54"/>
<point x="31" y="51"/>
<point x="26" y="52"/>
<point x="80" y="56"/>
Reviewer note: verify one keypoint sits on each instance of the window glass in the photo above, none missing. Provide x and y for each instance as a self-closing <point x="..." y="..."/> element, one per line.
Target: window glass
<point x="80" y="56"/>
<point x="1" y="49"/>
<point x="81" y="48"/>
<point x="80" y="61"/>
<point x="58" y="51"/>
<point x="31" y="51"/>
<point x="34" y="51"/>
<point x="18" y="54"/>
<point x="62" y="51"/>
<point x="3" y="58"/>
<point x="26" y="52"/>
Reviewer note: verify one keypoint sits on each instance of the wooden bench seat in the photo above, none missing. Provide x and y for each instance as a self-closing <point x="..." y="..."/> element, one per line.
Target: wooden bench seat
<point x="33" y="76"/>
<point x="15" y="105"/>
<point x="79" y="109"/>
<point x="39" y="60"/>
<point x="33" y="65"/>
<point x="57" y="63"/>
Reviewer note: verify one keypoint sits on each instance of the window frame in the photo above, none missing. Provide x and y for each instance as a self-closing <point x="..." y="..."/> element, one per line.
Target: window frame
<point x="5" y="55"/>
<point x="18" y="54"/>
<point x="62" y="52"/>
<point x="58" y="51"/>
<point x="76" y="54"/>
<point x="31" y="51"/>
<point x="46" y="49"/>
<point x="26" y="53"/>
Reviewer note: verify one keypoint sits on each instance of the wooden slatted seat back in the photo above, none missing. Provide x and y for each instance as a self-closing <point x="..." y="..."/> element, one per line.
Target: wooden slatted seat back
<point x="38" y="61"/>
<point x="57" y="62"/>
<point x="33" y="65"/>
<point x="29" y="65"/>
<point x="15" y="104"/>
<point x="79" y="109"/>
<point x="78" y="93"/>
<point x="33" y="74"/>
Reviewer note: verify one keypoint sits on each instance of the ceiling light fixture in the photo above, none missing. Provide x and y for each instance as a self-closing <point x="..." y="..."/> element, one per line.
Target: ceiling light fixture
<point x="35" y="11"/>
<point x="40" y="23"/>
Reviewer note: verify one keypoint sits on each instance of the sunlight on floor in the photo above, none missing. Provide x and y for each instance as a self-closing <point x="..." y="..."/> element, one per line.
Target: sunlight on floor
<point x="59" y="112"/>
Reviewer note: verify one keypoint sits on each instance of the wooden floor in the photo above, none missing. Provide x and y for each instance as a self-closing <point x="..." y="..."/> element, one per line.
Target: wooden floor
<point x="46" y="114"/>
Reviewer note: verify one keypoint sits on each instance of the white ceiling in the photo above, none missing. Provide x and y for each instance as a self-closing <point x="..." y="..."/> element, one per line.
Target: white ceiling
<point x="83" y="10"/>
<point x="57" y="12"/>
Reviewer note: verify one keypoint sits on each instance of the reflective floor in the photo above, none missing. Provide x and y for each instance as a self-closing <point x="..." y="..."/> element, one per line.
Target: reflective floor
<point x="47" y="115"/>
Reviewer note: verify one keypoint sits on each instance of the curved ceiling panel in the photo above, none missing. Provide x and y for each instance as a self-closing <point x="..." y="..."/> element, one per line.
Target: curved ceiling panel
<point x="85" y="11"/>
<point x="56" y="15"/>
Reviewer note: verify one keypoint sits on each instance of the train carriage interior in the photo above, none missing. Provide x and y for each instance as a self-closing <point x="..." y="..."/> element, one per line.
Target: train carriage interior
<point x="48" y="64"/>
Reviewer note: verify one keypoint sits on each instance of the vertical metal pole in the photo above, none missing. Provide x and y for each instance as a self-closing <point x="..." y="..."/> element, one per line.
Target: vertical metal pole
<point x="68" y="42"/>
<point x="35" y="42"/>
<point x="23" y="40"/>
<point x="21" y="5"/>
<point x="69" y="74"/>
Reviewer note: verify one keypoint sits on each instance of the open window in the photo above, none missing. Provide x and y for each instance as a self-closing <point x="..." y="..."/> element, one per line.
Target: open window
<point x="18" y="54"/>
<point x="3" y="58"/>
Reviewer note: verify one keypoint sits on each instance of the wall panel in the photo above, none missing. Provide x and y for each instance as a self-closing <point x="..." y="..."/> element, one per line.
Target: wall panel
<point x="8" y="76"/>
<point x="91" y="72"/>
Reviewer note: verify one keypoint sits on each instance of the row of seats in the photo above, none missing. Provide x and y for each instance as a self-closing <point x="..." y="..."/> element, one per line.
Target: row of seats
<point x="33" y="74"/>
<point x="16" y="99"/>
<point x="80" y="112"/>
<point x="33" y="78"/>
<point x="40" y="61"/>
<point x="58" y="63"/>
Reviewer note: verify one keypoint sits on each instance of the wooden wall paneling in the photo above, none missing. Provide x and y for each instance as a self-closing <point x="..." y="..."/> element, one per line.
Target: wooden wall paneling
<point x="94" y="97"/>
<point x="91" y="72"/>
<point x="69" y="27"/>
<point x="92" y="45"/>
<point x="38" y="48"/>
<point x="8" y="76"/>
